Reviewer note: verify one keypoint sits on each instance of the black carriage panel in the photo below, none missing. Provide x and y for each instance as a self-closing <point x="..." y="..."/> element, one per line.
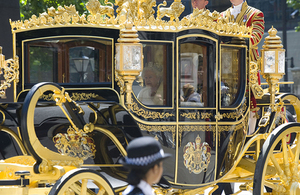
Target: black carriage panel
<point x="197" y="104"/>
<point x="10" y="142"/>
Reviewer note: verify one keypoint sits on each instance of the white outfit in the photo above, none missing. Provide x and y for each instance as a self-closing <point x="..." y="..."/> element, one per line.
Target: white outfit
<point x="145" y="96"/>
<point x="144" y="186"/>
<point x="235" y="10"/>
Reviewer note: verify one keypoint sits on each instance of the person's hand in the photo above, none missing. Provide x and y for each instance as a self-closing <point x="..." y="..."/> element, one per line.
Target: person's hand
<point x="157" y="99"/>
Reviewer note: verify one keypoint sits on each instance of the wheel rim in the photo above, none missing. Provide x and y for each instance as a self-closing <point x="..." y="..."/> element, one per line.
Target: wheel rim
<point x="84" y="182"/>
<point x="278" y="165"/>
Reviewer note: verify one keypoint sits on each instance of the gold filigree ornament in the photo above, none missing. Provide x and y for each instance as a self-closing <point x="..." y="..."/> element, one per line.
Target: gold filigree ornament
<point x="196" y="156"/>
<point x="138" y="12"/>
<point x="258" y="92"/>
<point x="9" y="69"/>
<point x="75" y="144"/>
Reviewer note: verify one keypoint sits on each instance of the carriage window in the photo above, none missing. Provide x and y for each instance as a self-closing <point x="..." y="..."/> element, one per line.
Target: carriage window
<point x="82" y="62"/>
<point x="41" y="63"/>
<point x="193" y="75"/>
<point x="69" y="60"/>
<point x="151" y="86"/>
<point x="231" y="63"/>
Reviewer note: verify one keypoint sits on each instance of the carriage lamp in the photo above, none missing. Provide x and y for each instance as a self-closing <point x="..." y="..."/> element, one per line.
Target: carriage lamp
<point x="273" y="62"/>
<point x="81" y="64"/>
<point x="128" y="58"/>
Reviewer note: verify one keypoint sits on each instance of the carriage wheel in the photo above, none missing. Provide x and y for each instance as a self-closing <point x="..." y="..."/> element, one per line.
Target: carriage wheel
<point x="82" y="182"/>
<point x="278" y="165"/>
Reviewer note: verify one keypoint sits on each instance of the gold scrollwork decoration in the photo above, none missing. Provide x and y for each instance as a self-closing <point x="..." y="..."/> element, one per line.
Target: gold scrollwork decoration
<point x="196" y="115"/>
<point x="238" y="113"/>
<point x="75" y="144"/>
<point x="10" y="71"/>
<point x="257" y="91"/>
<point x="48" y="97"/>
<point x="83" y="96"/>
<point x="23" y="160"/>
<point x="149" y="114"/>
<point x="196" y="156"/>
<point x="159" y="128"/>
<point x="74" y="97"/>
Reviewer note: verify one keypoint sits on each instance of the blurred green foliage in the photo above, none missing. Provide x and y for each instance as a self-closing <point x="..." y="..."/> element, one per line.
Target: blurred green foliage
<point x="295" y="4"/>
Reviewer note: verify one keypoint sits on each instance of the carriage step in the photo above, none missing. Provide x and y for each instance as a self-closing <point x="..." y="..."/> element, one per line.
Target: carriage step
<point x="18" y="182"/>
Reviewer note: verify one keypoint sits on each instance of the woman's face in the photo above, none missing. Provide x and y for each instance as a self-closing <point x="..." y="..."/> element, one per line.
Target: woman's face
<point x="151" y="79"/>
<point x="159" y="172"/>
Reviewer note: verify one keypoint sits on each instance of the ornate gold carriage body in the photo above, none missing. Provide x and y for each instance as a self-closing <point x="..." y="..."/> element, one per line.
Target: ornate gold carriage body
<point x="79" y="85"/>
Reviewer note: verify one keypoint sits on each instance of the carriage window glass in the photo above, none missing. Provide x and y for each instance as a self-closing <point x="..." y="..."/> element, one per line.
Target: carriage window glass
<point x="82" y="62"/>
<point x="68" y="60"/>
<point x="151" y="86"/>
<point x="193" y="75"/>
<point x="42" y="62"/>
<point x="231" y="63"/>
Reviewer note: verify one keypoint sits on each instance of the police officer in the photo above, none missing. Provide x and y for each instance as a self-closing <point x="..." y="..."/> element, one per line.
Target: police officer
<point x="144" y="160"/>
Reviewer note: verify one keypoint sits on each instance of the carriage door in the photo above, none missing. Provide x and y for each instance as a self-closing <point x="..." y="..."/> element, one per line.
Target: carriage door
<point x="197" y="97"/>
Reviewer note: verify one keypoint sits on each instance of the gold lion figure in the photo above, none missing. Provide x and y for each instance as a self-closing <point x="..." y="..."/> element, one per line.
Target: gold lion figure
<point x="95" y="7"/>
<point x="173" y="12"/>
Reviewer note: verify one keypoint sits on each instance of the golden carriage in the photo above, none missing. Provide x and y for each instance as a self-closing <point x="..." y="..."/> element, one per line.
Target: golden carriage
<point x="76" y="80"/>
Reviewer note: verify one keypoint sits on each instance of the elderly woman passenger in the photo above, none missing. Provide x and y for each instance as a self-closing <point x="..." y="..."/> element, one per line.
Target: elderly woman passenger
<point x="152" y="94"/>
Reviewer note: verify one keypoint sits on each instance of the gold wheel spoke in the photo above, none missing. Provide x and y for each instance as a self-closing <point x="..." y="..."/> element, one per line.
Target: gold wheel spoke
<point x="285" y="157"/>
<point x="83" y="186"/>
<point x="75" y="187"/>
<point x="278" y="168"/>
<point x="296" y="157"/>
<point x="291" y="152"/>
<point x="275" y="187"/>
<point x="101" y="191"/>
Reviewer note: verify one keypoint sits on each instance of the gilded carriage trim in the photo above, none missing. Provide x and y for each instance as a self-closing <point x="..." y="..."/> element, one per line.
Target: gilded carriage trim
<point x="138" y="12"/>
<point x="149" y="114"/>
<point x="74" y="97"/>
<point x="23" y="160"/>
<point x="48" y="97"/>
<point x="83" y="96"/>
<point x="9" y="69"/>
<point x="258" y="92"/>
<point x="197" y="115"/>
<point x="238" y="113"/>
<point x="159" y="128"/>
<point x="196" y="156"/>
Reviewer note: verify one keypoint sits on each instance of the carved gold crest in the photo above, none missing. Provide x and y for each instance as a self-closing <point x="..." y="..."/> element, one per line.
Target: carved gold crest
<point x="75" y="144"/>
<point x="196" y="156"/>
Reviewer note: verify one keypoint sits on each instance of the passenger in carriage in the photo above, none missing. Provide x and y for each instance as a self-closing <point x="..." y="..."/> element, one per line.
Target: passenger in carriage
<point x="152" y="94"/>
<point x="189" y="94"/>
<point x="144" y="160"/>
